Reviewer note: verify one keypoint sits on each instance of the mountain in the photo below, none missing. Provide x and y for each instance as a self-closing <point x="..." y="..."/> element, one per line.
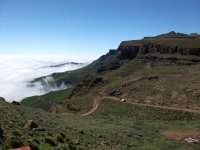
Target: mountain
<point x="161" y="57"/>
<point x="74" y="77"/>
<point x="143" y="95"/>
<point x="63" y="64"/>
<point x="171" y="47"/>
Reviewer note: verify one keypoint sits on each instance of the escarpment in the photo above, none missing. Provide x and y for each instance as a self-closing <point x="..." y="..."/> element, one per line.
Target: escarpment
<point x="173" y="46"/>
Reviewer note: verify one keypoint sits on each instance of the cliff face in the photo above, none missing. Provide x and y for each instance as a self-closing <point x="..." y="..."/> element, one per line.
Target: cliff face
<point x="172" y="44"/>
<point x="128" y="52"/>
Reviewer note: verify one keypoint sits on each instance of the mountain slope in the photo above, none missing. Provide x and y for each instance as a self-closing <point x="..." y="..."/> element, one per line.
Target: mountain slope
<point x="143" y="71"/>
<point x="161" y="108"/>
<point x="167" y="48"/>
<point x="156" y="78"/>
<point x="73" y="77"/>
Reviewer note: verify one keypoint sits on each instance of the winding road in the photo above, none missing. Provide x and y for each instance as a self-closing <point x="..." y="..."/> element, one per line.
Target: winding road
<point x="97" y="101"/>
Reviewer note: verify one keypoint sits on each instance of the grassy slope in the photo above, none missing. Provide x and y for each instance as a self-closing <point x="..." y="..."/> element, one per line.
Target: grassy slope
<point x="115" y="125"/>
<point x="149" y="123"/>
<point x="68" y="77"/>
<point x="46" y="101"/>
<point x="174" y="85"/>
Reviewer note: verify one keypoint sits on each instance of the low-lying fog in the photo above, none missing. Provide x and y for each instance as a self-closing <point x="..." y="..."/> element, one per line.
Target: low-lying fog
<point x="17" y="71"/>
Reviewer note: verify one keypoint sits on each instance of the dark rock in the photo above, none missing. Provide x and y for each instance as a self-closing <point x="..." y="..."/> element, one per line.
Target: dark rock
<point x="30" y="124"/>
<point x="127" y="52"/>
<point x="39" y="129"/>
<point x="15" y="103"/>
<point x="96" y="81"/>
<point x="112" y="52"/>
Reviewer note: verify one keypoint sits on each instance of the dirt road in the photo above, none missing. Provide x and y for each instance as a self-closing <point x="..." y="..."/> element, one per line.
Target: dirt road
<point x="97" y="102"/>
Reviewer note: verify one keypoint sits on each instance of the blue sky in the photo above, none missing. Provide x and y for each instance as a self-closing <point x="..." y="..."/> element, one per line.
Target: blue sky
<point x="89" y="28"/>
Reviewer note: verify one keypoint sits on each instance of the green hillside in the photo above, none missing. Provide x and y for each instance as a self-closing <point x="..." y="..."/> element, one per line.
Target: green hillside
<point x="115" y="125"/>
<point x="140" y="96"/>
<point x="46" y="101"/>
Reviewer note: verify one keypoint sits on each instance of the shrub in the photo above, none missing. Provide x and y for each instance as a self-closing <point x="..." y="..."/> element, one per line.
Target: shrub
<point x="50" y="141"/>
<point x="72" y="146"/>
<point x="60" y="139"/>
<point x="16" y="133"/>
<point x="63" y="135"/>
<point x="36" y="141"/>
<point x="16" y="142"/>
<point x="34" y="146"/>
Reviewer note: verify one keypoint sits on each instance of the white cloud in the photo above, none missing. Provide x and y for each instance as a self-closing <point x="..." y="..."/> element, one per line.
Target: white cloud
<point x="17" y="71"/>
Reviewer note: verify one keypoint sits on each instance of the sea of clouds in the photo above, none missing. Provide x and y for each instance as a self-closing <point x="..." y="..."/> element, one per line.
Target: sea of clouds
<point x="16" y="72"/>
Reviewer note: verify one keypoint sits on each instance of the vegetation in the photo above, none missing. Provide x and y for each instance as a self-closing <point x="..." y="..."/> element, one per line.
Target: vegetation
<point x="114" y="125"/>
<point x="149" y="88"/>
<point x="46" y="101"/>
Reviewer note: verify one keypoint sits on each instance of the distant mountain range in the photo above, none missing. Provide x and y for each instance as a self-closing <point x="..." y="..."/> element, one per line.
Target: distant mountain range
<point x="63" y="64"/>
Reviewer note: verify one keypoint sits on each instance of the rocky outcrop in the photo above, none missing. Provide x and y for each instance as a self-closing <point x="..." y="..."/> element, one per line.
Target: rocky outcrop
<point x="111" y="66"/>
<point x="30" y="124"/>
<point x="127" y="52"/>
<point x="165" y="49"/>
<point x="15" y="103"/>
<point x="108" y="62"/>
<point x="88" y="82"/>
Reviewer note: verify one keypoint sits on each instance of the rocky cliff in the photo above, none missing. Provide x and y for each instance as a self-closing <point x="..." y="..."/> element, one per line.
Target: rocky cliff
<point x="172" y="46"/>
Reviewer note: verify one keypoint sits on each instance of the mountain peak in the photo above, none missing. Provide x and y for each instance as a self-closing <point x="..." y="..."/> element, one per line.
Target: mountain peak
<point x="172" y="34"/>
